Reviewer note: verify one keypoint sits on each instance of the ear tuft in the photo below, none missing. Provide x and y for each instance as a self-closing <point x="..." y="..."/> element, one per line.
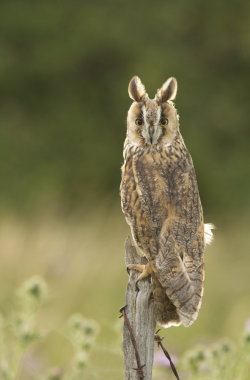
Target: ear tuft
<point x="136" y="89"/>
<point x="168" y="90"/>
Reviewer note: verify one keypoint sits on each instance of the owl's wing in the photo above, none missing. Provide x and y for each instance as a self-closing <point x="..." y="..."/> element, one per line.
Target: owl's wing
<point x="141" y="210"/>
<point x="171" y="202"/>
<point x="152" y="190"/>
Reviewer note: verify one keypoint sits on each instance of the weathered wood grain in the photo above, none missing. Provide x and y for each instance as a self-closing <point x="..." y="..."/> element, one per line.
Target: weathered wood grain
<point x="140" y="312"/>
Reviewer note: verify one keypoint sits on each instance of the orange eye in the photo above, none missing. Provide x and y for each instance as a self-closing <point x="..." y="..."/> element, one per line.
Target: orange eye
<point x="139" y="122"/>
<point x="164" y="121"/>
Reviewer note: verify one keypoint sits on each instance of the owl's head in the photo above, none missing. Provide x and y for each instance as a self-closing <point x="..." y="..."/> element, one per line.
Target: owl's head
<point x="152" y="122"/>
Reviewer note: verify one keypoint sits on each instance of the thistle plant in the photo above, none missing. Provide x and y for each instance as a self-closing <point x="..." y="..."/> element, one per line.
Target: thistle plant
<point x="18" y="327"/>
<point x="222" y="360"/>
<point x="82" y="334"/>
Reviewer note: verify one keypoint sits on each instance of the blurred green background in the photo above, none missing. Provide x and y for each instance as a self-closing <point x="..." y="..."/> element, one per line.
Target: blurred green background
<point x="64" y="71"/>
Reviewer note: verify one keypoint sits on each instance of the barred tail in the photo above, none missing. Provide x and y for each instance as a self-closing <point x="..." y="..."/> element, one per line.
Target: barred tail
<point x="184" y="290"/>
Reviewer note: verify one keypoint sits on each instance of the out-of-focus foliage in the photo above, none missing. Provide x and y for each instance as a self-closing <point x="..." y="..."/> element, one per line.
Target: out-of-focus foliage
<point x="22" y="353"/>
<point x="223" y="360"/>
<point x="19" y="330"/>
<point x="220" y="360"/>
<point x="64" y="71"/>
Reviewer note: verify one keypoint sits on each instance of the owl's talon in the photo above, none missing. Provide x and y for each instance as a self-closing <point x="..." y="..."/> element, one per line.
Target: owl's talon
<point x="138" y="267"/>
<point x="146" y="270"/>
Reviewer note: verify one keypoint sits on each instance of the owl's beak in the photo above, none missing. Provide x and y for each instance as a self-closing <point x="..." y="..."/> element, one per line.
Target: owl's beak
<point x="151" y="133"/>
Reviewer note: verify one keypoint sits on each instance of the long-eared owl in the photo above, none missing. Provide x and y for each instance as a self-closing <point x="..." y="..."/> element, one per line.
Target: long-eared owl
<point x="161" y="203"/>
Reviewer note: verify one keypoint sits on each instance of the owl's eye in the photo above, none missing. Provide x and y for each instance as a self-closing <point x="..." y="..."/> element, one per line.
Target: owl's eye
<point x="164" y="121"/>
<point x="139" y="122"/>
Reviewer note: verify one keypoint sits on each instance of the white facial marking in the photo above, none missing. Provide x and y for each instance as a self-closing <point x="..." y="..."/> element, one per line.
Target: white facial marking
<point x="157" y="128"/>
<point x="144" y="128"/>
<point x="158" y="114"/>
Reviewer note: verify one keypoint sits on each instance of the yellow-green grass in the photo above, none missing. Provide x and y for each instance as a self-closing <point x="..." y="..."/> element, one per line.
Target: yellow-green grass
<point x="82" y="260"/>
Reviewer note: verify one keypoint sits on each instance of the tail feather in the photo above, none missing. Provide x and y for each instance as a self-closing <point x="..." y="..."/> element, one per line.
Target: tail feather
<point x="208" y="233"/>
<point x="166" y="313"/>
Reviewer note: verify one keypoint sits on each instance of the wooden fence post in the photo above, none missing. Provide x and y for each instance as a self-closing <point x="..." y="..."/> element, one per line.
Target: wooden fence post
<point x="139" y="313"/>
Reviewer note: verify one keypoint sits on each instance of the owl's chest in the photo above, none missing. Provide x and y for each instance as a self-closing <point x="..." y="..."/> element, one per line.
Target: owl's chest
<point x="149" y="183"/>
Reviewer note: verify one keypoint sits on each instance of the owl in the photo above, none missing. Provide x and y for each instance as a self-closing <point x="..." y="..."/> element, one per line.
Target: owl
<point x="161" y="204"/>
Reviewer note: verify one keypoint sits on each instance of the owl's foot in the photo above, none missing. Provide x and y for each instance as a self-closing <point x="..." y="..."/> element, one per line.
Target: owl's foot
<point x="146" y="270"/>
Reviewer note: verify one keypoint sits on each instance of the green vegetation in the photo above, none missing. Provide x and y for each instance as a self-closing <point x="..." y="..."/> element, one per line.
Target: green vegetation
<point x="222" y="360"/>
<point x="64" y="73"/>
<point x="82" y="263"/>
<point x="19" y="330"/>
